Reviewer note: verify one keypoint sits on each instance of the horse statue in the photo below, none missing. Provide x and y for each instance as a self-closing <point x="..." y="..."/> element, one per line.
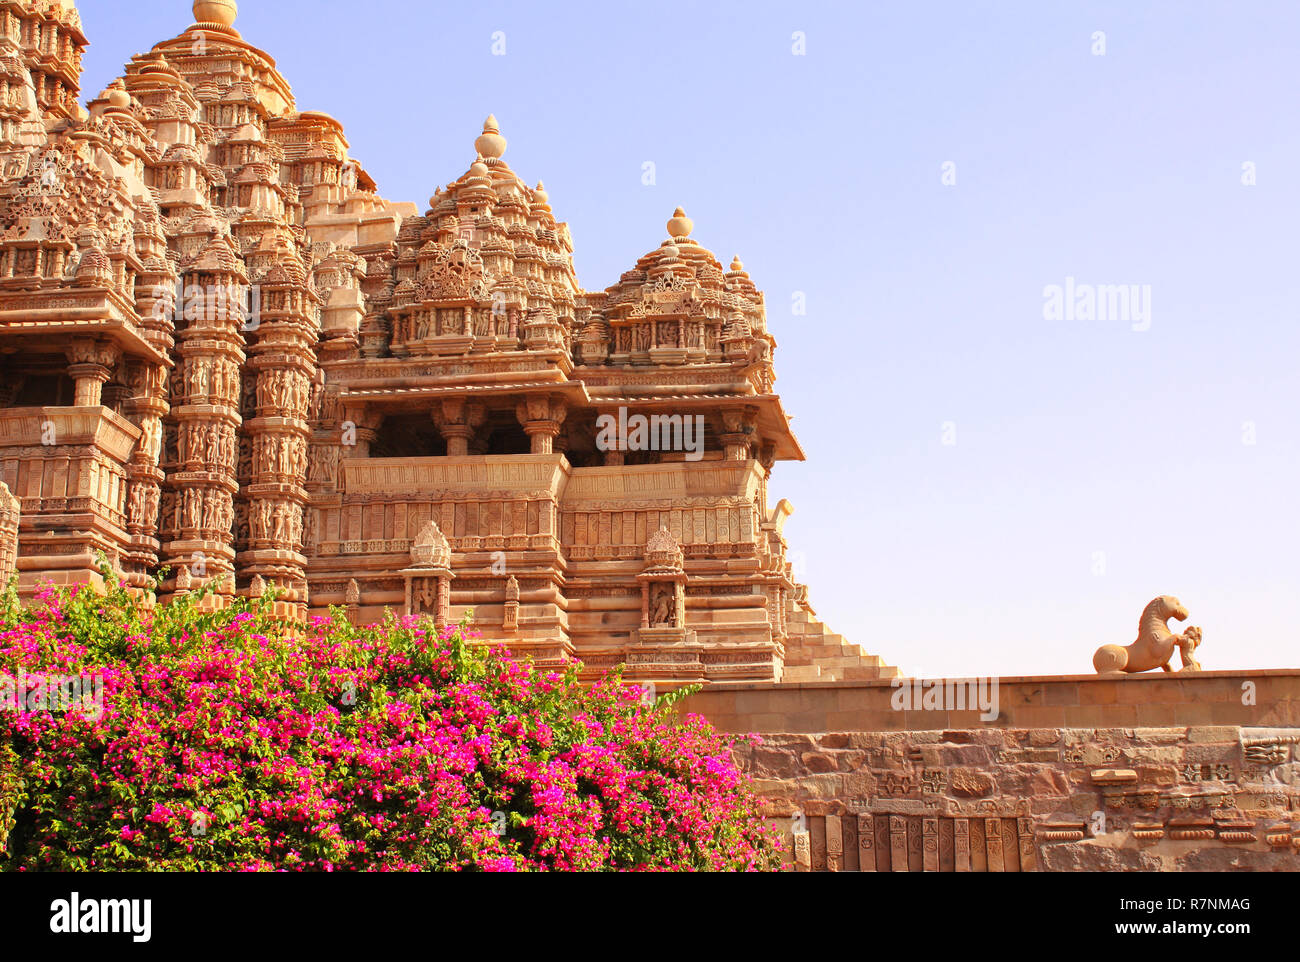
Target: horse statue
<point x="1155" y="644"/>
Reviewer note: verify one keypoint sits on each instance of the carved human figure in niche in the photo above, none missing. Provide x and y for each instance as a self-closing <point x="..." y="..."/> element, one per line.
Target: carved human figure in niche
<point x="426" y="595"/>
<point x="137" y="503"/>
<point x="261" y="520"/>
<point x="151" y="438"/>
<point x="310" y="523"/>
<point x="317" y="395"/>
<point x="211" y="510"/>
<point x="168" y="508"/>
<point x="662" y="605"/>
<point x="193" y="506"/>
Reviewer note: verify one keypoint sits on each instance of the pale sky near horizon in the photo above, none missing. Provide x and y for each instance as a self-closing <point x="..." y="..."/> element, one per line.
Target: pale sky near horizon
<point x="987" y="490"/>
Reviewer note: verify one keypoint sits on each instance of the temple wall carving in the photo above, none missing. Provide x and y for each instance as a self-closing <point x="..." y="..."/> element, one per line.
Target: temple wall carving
<point x="1075" y="773"/>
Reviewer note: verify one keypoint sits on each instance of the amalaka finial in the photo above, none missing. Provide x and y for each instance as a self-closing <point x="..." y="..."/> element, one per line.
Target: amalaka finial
<point x="219" y="12"/>
<point x="490" y="144"/>
<point x="680" y="226"/>
<point x="116" y="95"/>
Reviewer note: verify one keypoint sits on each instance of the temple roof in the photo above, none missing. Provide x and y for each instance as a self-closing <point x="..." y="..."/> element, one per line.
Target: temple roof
<point x="238" y="176"/>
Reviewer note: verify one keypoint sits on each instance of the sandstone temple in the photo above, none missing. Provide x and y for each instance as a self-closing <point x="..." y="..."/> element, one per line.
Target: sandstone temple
<point x="227" y="356"/>
<point x="226" y="359"/>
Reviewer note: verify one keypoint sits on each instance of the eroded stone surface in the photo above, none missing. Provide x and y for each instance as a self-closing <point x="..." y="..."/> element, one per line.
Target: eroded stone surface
<point x="1091" y="802"/>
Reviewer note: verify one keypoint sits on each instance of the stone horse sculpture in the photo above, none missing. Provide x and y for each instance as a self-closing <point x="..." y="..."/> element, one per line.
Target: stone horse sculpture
<point x="1155" y="643"/>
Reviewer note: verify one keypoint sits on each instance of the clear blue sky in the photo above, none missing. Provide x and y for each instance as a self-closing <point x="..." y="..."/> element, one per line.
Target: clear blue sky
<point x="924" y="301"/>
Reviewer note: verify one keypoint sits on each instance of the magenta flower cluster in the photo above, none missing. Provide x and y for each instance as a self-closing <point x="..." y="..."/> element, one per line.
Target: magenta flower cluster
<point x="228" y="740"/>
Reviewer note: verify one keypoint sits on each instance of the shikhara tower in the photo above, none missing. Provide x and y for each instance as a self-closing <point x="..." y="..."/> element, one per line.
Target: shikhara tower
<point x="225" y="354"/>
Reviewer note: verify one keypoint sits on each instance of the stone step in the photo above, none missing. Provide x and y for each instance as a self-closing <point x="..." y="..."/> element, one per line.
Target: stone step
<point x="841" y="662"/>
<point x="831" y="651"/>
<point x="798" y="673"/>
<point x="816" y="653"/>
<point x="862" y="673"/>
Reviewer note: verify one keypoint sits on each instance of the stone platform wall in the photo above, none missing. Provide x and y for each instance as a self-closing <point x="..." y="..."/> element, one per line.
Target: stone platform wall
<point x="1151" y="772"/>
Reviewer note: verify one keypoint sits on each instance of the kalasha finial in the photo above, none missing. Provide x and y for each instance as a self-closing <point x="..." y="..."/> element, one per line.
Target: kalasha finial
<point x="490" y="144"/>
<point x="736" y="265"/>
<point x="220" y="12"/>
<point x="540" y="195"/>
<point x="680" y="226"/>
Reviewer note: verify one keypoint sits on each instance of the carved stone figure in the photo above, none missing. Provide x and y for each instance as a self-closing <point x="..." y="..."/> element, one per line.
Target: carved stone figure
<point x="1155" y="643"/>
<point x="661" y="610"/>
<point x="426" y="595"/>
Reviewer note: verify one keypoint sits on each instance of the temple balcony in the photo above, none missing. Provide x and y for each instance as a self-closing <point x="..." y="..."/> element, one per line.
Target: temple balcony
<point x="66" y="467"/>
<point x="711" y="508"/>
<point x="479" y="502"/>
<point x="541" y="502"/>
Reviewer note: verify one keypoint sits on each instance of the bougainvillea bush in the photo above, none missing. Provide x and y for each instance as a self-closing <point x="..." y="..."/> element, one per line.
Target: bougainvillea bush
<point x="227" y="741"/>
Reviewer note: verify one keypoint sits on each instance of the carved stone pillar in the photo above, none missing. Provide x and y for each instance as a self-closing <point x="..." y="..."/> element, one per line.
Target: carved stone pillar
<point x="358" y="431"/>
<point x="738" y="434"/>
<point x="203" y="469"/>
<point x="91" y="365"/>
<point x="10" y="508"/>
<point x="541" y="416"/>
<point x="767" y="459"/>
<point x="145" y="404"/>
<point x="458" y="420"/>
<point x="282" y="372"/>
<point x="365" y="436"/>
